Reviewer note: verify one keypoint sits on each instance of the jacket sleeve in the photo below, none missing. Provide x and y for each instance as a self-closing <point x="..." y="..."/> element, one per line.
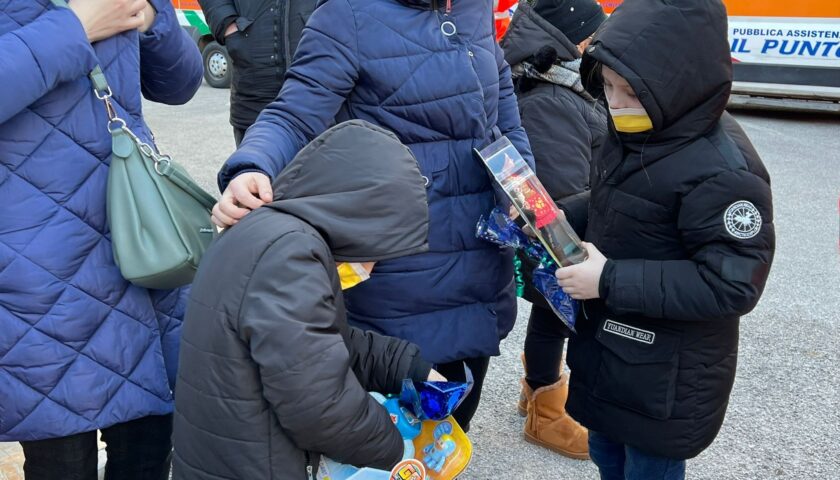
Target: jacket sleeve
<point x="39" y="56"/>
<point x="725" y="275"/>
<point x="509" y="122"/>
<point x="219" y="15"/>
<point x="288" y="320"/>
<point x="381" y="363"/>
<point x="322" y="75"/>
<point x="561" y="142"/>
<point x="171" y="68"/>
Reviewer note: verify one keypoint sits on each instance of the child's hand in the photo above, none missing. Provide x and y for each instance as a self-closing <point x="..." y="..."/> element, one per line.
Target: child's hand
<point x="434" y="376"/>
<point x="581" y="281"/>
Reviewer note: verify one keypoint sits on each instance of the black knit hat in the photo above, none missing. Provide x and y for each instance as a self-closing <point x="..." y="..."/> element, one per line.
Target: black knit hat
<point x="577" y="19"/>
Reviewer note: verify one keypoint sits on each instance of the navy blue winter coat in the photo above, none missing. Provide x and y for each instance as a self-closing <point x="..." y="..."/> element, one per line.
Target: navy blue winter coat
<point x="391" y="62"/>
<point x="80" y="348"/>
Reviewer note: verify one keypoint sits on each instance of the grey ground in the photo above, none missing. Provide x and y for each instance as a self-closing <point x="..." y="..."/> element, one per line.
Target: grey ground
<point x="783" y="418"/>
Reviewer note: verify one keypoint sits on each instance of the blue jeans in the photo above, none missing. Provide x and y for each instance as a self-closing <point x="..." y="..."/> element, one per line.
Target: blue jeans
<point x="617" y="461"/>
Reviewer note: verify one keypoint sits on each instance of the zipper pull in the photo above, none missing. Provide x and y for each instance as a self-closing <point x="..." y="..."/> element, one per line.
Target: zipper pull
<point x="309" y="474"/>
<point x="448" y="7"/>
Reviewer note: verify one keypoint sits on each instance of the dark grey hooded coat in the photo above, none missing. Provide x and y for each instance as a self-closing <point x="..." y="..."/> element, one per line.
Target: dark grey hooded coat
<point x="271" y="376"/>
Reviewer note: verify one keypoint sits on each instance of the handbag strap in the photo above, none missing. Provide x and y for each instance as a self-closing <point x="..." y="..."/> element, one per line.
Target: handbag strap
<point x="97" y="76"/>
<point x="117" y="125"/>
<point x="162" y="163"/>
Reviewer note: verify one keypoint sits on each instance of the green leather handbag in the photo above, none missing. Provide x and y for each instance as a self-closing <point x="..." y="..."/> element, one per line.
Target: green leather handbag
<point x="158" y="216"/>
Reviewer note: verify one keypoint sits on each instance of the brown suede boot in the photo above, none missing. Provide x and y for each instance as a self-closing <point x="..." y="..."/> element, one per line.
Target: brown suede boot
<point x="522" y="406"/>
<point x="548" y="424"/>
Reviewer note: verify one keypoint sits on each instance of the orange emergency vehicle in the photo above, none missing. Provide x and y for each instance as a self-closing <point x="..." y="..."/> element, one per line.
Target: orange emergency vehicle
<point x="784" y="51"/>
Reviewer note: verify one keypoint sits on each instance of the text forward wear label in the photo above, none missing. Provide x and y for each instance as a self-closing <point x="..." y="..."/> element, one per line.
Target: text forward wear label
<point x="627" y="331"/>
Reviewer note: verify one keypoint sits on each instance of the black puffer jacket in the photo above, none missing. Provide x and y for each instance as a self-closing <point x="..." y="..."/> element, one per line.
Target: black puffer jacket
<point x="271" y="376"/>
<point x="685" y="214"/>
<point x="566" y="128"/>
<point x="262" y="49"/>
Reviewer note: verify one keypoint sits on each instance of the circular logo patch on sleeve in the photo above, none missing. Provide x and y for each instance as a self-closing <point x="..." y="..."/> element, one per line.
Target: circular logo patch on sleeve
<point x="742" y="220"/>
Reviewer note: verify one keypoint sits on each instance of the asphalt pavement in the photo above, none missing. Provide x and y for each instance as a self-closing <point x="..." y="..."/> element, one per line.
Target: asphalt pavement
<point x="783" y="419"/>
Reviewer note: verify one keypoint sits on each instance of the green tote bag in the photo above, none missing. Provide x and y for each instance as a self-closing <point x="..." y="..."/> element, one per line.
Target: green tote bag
<point x="158" y="216"/>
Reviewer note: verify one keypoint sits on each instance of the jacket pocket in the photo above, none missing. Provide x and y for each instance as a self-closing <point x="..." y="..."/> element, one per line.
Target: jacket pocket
<point x="236" y="48"/>
<point x="638" y="368"/>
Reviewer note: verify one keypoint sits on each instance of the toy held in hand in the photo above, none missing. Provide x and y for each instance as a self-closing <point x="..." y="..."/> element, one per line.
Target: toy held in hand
<point x="433" y="450"/>
<point x="435" y="400"/>
<point x="498" y="228"/>
<point x="533" y="202"/>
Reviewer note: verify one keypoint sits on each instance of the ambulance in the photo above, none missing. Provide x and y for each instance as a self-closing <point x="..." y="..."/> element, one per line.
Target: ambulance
<point x="217" y="64"/>
<point x="786" y="53"/>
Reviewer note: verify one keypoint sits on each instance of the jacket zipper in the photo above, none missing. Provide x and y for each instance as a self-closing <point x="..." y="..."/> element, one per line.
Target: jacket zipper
<point x="309" y="473"/>
<point x="287" y="33"/>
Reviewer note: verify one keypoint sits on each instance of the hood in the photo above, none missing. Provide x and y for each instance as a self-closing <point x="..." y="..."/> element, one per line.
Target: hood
<point x="675" y="54"/>
<point x="361" y="189"/>
<point x="529" y="32"/>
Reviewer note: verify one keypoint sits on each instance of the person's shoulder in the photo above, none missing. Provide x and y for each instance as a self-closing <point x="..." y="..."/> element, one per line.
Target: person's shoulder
<point x="547" y="96"/>
<point x="260" y="230"/>
<point x="727" y="148"/>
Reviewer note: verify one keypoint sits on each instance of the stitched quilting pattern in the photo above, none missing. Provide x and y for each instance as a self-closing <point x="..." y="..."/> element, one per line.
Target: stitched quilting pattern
<point x="80" y="348"/>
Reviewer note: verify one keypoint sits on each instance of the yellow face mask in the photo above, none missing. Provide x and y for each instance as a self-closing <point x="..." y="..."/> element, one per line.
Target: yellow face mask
<point x="351" y="274"/>
<point x="631" y="120"/>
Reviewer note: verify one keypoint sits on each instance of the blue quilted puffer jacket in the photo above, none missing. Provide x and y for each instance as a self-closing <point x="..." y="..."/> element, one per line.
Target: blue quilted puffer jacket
<point x="80" y="348"/>
<point x="439" y="81"/>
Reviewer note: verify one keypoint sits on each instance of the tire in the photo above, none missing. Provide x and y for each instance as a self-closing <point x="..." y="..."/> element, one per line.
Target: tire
<point x="218" y="68"/>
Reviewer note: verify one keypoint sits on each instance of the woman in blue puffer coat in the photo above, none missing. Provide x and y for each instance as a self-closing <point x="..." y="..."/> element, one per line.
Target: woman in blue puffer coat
<point x="431" y="72"/>
<point x="81" y="349"/>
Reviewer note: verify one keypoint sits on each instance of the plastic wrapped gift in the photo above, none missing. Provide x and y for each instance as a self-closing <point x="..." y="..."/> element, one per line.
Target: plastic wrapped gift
<point x="532" y="201"/>
<point x="435" y="400"/>
<point x="498" y="228"/>
<point x="433" y="449"/>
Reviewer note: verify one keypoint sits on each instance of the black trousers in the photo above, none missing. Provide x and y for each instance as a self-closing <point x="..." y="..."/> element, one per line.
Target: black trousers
<point x="454" y="371"/>
<point x="137" y="450"/>
<point x="544" y="347"/>
<point x="238" y="135"/>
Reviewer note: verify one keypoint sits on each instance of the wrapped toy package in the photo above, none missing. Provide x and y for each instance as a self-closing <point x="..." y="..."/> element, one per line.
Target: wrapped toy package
<point x="533" y="202"/>
<point x="435" y="446"/>
<point x="498" y="228"/>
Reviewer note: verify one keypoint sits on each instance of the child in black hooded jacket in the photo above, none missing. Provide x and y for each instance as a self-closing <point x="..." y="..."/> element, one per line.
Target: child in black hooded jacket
<point x="681" y="208"/>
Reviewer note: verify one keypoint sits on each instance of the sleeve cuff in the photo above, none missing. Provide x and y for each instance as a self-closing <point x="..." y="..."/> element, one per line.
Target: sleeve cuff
<point x="606" y="275"/>
<point x="164" y="17"/>
<point x="624" y="284"/>
<point x="226" y="175"/>
<point x="419" y="370"/>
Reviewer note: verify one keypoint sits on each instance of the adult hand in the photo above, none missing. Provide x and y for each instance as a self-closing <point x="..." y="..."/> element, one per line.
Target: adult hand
<point x="231" y="29"/>
<point x="103" y="19"/>
<point x="247" y="192"/>
<point x="581" y="281"/>
<point x="434" y="376"/>
<point x="149" y="14"/>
